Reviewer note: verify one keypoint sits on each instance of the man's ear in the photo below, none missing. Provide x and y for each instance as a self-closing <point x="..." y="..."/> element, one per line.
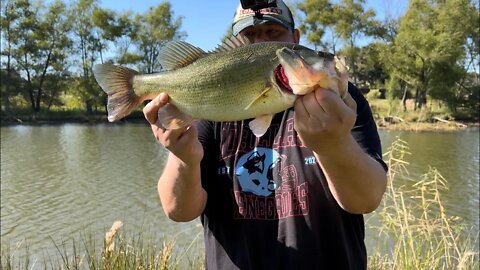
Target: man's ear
<point x="296" y="36"/>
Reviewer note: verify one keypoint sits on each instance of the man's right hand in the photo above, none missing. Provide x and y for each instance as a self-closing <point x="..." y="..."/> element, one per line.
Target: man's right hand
<point x="182" y="143"/>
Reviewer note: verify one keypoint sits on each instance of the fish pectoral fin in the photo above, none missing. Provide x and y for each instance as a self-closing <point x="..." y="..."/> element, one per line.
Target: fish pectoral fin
<point x="342" y="70"/>
<point x="170" y="117"/>
<point x="178" y="54"/>
<point x="268" y="88"/>
<point x="260" y="124"/>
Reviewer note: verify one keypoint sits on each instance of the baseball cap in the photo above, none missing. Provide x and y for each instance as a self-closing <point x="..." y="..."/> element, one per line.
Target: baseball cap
<point x="244" y="18"/>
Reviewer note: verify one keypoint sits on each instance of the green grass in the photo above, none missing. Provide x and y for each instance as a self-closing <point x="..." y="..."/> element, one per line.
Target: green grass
<point x="417" y="232"/>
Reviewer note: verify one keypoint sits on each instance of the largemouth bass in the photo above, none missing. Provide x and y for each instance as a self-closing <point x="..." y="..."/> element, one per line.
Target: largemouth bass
<point x="236" y="81"/>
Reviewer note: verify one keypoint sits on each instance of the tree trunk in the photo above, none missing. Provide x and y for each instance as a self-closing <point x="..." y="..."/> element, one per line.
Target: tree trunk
<point x="7" y="87"/>
<point x="88" y="105"/>
<point x="415" y="104"/>
<point x="42" y="79"/>
<point x="404" y="97"/>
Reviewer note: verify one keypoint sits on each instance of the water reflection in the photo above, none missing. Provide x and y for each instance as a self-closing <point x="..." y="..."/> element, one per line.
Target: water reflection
<point x="58" y="181"/>
<point x="456" y="156"/>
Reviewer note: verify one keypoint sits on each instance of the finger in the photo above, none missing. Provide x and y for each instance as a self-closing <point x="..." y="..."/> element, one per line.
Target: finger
<point x="189" y="132"/>
<point x="169" y="137"/>
<point x="150" y="111"/>
<point x="300" y="110"/>
<point x="350" y="102"/>
<point x="329" y="101"/>
<point x="312" y="102"/>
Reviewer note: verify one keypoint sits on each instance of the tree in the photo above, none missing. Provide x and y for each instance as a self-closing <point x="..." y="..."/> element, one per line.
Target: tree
<point x="53" y="45"/>
<point x="125" y="41"/>
<point x="9" y="18"/>
<point x="117" y="28"/>
<point x="353" y="22"/>
<point x="37" y="43"/>
<point x="429" y="46"/>
<point x="89" y="46"/>
<point x="158" y="26"/>
<point x="346" y="20"/>
<point x="316" y="21"/>
<point x="371" y="71"/>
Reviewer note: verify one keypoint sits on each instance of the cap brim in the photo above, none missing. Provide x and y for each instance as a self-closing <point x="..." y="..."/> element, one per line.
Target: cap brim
<point x="251" y="21"/>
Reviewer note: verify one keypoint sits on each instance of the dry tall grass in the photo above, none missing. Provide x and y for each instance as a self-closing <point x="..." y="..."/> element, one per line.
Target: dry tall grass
<point x="418" y="231"/>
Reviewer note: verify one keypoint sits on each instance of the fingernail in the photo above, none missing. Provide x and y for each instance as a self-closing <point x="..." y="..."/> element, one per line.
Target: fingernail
<point x="162" y="98"/>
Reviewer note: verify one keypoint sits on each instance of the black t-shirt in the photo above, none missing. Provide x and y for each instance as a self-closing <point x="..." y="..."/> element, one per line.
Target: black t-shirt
<point x="269" y="205"/>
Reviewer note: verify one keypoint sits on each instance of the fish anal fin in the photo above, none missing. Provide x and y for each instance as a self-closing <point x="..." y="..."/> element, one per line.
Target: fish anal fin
<point x="178" y="54"/>
<point x="170" y="117"/>
<point x="260" y="124"/>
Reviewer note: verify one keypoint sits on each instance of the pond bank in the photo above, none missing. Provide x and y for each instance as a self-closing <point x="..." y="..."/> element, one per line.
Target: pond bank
<point x="390" y="123"/>
<point x="426" y="126"/>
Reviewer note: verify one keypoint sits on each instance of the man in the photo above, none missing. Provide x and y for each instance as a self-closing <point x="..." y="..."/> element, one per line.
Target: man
<point x="292" y="199"/>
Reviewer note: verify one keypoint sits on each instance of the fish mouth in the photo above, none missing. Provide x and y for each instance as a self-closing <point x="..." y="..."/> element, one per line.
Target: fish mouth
<point x="282" y="79"/>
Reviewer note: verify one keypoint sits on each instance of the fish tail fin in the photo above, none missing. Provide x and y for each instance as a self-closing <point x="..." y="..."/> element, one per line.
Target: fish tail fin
<point x="116" y="82"/>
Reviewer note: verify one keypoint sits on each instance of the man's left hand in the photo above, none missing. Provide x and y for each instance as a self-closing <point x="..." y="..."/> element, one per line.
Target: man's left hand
<point x="323" y="119"/>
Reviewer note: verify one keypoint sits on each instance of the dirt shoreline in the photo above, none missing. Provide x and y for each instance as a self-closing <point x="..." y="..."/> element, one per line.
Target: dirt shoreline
<point x="427" y="126"/>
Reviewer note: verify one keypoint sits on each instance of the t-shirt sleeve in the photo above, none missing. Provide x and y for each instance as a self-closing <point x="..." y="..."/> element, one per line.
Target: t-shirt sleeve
<point x="207" y="137"/>
<point x="365" y="130"/>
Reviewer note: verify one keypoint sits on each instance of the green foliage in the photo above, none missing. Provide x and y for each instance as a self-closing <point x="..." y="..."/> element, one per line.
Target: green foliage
<point x="158" y="27"/>
<point x="371" y="71"/>
<point x="316" y="21"/>
<point x="347" y="20"/>
<point x="37" y="46"/>
<point x="429" y="47"/>
<point x="48" y="48"/>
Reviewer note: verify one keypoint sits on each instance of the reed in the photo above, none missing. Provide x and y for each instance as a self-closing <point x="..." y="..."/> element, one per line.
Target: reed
<point x="120" y="251"/>
<point x="417" y="230"/>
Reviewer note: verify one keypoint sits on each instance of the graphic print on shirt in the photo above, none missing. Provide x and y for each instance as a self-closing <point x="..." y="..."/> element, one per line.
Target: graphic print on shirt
<point x="255" y="171"/>
<point x="268" y="187"/>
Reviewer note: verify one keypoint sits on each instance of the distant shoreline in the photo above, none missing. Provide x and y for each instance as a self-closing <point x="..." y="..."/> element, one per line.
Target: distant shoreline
<point x="404" y="126"/>
<point x="428" y="126"/>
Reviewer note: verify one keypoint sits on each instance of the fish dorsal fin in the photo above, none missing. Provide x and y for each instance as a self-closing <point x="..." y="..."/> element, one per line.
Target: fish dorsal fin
<point x="177" y="54"/>
<point x="231" y="43"/>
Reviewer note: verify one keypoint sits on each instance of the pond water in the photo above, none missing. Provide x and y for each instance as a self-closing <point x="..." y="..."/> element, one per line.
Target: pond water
<point x="61" y="182"/>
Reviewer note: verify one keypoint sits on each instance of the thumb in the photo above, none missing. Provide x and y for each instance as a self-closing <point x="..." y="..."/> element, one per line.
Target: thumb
<point x="150" y="111"/>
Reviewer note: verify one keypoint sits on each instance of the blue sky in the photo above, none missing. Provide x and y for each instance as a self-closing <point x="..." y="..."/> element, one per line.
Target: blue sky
<point x="206" y="22"/>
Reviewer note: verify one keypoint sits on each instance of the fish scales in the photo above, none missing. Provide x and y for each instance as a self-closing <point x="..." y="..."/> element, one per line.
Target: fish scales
<point x="235" y="82"/>
<point x="194" y="89"/>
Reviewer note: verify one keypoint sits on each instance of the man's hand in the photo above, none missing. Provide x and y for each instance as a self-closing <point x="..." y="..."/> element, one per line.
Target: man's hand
<point x="323" y="120"/>
<point x="183" y="142"/>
